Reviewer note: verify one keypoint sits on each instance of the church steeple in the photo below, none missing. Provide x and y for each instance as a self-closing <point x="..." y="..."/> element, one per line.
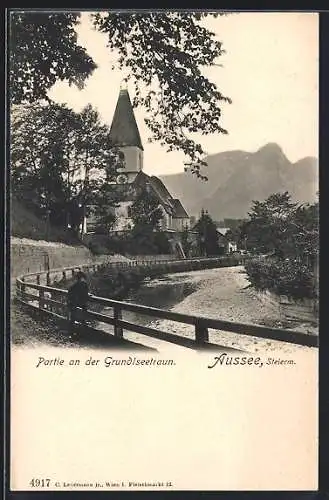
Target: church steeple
<point x="124" y="130"/>
<point x="124" y="134"/>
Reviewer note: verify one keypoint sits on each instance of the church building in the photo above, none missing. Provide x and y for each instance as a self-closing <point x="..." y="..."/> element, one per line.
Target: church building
<point x="124" y="133"/>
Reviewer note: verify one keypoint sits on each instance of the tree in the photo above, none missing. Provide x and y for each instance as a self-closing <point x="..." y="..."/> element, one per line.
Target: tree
<point x="146" y="215"/>
<point x="207" y="235"/>
<point x="61" y="161"/>
<point x="268" y="225"/>
<point x="164" y="53"/>
<point x="305" y="234"/>
<point x="288" y="233"/>
<point x="186" y="241"/>
<point x="146" y="211"/>
<point x="44" y="49"/>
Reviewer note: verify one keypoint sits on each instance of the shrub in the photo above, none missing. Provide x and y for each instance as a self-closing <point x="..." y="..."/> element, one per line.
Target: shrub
<point x="285" y="277"/>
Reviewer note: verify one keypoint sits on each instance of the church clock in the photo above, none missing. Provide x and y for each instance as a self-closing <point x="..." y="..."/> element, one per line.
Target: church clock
<point x="122" y="179"/>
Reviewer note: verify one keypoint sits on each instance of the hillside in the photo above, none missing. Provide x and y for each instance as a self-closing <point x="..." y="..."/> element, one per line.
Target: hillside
<point x="25" y="224"/>
<point x="236" y="178"/>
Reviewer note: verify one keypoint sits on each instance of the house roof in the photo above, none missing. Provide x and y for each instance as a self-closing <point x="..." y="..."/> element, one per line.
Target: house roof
<point x="179" y="210"/>
<point x="124" y="130"/>
<point x="223" y="230"/>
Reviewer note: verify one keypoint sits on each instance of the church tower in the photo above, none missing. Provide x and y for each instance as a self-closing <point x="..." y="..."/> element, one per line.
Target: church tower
<point x="124" y="133"/>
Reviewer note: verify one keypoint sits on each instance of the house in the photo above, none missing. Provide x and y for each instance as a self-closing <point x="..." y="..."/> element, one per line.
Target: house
<point x="124" y="133"/>
<point x="225" y="240"/>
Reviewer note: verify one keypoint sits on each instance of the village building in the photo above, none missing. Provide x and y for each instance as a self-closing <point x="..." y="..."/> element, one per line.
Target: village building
<point x="225" y="240"/>
<point x="131" y="179"/>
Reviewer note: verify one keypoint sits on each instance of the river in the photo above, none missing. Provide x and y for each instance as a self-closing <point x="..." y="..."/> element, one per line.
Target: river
<point x="221" y="293"/>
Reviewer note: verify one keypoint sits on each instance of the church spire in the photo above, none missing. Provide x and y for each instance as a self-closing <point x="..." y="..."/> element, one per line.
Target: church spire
<point x="123" y="84"/>
<point x="124" y="129"/>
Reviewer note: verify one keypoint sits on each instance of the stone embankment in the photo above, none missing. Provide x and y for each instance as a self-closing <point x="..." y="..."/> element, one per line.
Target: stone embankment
<point x="29" y="256"/>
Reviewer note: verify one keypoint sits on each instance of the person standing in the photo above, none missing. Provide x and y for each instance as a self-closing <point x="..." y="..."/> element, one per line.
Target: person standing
<point x="77" y="296"/>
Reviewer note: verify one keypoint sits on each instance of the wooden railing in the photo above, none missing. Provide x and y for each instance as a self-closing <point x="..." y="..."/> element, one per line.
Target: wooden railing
<point x="52" y="301"/>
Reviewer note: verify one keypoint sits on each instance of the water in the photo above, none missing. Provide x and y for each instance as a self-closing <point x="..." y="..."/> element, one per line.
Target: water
<point x="162" y="293"/>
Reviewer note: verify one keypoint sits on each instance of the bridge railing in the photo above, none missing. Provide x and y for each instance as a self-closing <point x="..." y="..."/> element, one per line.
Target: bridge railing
<point x="52" y="301"/>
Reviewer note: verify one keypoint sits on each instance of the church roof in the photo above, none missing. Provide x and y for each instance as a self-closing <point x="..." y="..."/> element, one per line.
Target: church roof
<point x="170" y="204"/>
<point x="160" y="189"/>
<point x="179" y="210"/>
<point x="124" y="129"/>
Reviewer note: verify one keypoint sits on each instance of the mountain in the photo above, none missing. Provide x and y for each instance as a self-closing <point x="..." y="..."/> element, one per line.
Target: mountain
<point x="236" y="178"/>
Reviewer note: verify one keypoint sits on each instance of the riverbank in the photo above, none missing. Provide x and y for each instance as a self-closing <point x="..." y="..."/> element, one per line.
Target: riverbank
<point x="219" y="293"/>
<point x="225" y="294"/>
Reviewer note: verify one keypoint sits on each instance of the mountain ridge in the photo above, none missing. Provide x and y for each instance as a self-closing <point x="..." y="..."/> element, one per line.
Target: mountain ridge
<point x="237" y="177"/>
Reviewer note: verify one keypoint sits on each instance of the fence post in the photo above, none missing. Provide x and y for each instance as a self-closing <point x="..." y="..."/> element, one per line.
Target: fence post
<point x="117" y="315"/>
<point x="64" y="275"/>
<point x="38" y="279"/>
<point x="201" y="333"/>
<point x="48" y="279"/>
<point x="41" y="299"/>
<point x="23" y="288"/>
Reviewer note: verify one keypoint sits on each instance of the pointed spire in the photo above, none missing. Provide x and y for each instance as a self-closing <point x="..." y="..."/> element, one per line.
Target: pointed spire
<point x="123" y="84"/>
<point x="124" y="129"/>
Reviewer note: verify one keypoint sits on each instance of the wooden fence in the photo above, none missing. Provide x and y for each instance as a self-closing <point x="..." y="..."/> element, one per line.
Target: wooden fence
<point x="52" y="301"/>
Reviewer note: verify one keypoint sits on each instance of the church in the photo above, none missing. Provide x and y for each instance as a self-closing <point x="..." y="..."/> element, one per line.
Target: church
<point x="124" y="134"/>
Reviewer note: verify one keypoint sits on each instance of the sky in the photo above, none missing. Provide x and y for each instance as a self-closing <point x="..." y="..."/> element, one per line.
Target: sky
<point x="269" y="70"/>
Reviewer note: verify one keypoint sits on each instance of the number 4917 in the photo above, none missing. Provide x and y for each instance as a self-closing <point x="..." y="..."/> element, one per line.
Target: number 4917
<point x="40" y="483"/>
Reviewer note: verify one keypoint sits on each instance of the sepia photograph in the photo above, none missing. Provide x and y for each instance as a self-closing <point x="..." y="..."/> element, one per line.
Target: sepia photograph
<point x="164" y="227"/>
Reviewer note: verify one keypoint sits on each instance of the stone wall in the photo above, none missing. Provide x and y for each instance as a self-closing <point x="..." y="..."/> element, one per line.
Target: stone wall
<point x="291" y="309"/>
<point x="28" y="256"/>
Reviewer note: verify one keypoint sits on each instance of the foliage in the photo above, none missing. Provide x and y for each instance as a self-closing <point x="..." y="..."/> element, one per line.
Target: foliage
<point x="269" y="223"/>
<point x="153" y="243"/>
<point x="164" y="53"/>
<point x="146" y="213"/>
<point x="106" y="219"/>
<point x="60" y="160"/>
<point x="186" y="241"/>
<point x="103" y="244"/>
<point x="141" y="244"/>
<point x="207" y="235"/>
<point x="25" y="224"/>
<point x="282" y="276"/>
<point x="288" y="234"/>
<point x="281" y="228"/>
<point x="161" y="243"/>
<point x="44" y="49"/>
<point x="232" y="223"/>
